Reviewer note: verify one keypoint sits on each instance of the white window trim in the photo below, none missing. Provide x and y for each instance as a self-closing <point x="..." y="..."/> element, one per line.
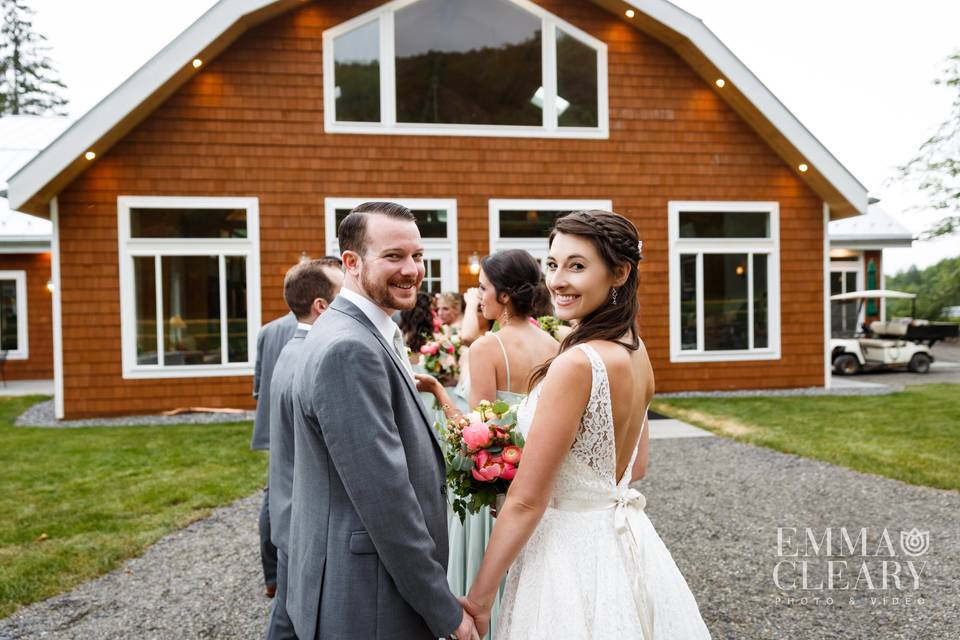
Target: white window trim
<point x="851" y="266"/>
<point x="446" y="247"/>
<point x="537" y="247"/>
<point x="248" y="247"/>
<point x="388" y="123"/>
<point x="22" y="352"/>
<point x="678" y="245"/>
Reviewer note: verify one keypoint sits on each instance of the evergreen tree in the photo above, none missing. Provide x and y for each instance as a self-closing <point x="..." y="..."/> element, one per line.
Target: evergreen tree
<point x="28" y="81"/>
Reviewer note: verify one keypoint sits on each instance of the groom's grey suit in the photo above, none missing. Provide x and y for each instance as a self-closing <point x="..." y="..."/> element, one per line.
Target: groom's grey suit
<point x="368" y="529"/>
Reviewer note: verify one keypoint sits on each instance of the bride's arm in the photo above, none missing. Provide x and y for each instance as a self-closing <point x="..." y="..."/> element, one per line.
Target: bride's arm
<point x="564" y="396"/>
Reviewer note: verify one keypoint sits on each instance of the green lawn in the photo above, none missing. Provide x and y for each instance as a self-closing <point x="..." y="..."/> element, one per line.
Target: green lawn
<point x="912" y="436"/>
<point x="75" y="503"/>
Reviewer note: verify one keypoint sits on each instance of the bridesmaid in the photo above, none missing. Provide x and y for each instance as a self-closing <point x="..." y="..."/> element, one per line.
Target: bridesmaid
<point x="498" y="368"/>
<point x="450" y="309"/>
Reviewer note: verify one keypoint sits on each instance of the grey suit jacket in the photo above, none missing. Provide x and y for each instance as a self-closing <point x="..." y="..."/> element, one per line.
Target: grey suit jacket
<point x="368" y="524"/>
<point x="281" y="439"/>
<point x="270" y="341"/>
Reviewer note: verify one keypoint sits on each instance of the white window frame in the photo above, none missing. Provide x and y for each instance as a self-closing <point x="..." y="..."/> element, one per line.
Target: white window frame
<point x="388" y="118"/>
<point x="22" y="352"/>
<point x="750" y="246"/>
<point x="537" y="247"/>
<point x="443" y="249"/>
<point x="851" y="266"/>
<point x="248" y="247"/>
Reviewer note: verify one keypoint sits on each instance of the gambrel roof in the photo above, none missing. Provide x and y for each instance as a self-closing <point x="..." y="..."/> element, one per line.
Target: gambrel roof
<point x="63" y="160"/>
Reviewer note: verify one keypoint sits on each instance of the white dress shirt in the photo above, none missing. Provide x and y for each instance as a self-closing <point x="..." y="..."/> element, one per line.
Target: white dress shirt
<point x="303" y="326"/>
<point x="384" y="323"/>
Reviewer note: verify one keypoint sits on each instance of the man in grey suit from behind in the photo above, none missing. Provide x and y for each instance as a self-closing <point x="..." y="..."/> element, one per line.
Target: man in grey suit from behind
<point x="308" y="289"/>
<point x="368" y="528"/>
<point x="270" y="341"/>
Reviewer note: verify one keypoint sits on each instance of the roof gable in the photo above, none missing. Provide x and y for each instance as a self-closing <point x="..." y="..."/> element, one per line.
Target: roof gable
<point x="60" y="162"/>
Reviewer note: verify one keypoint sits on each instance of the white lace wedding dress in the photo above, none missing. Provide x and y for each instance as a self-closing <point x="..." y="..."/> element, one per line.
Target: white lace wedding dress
<point x="595" y="567"/>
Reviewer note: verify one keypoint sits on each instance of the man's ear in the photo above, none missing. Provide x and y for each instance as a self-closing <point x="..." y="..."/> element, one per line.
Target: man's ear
<point x="351" y="261"/>
<point x="319" y="305"/>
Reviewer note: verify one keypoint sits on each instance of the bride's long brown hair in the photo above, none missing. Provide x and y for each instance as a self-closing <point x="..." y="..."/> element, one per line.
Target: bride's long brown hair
<point x="617" y="241"/>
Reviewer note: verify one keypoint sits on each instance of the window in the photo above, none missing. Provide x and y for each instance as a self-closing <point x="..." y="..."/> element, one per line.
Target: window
<point x="437" y="221"/>
<point x="724" y="281"/>
<point x="845" y="317"/>
<point x="526" y="224"/>
<point x="189" y="286"/>
<point x="464" y="67"/>
<point x="13" y="314"/>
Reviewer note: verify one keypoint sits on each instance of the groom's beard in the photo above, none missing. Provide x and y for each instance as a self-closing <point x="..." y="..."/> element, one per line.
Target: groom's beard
<point x="381" y="294"/>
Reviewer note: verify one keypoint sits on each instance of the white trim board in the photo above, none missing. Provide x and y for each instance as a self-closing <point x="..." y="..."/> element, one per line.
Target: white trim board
<point x="128" y="248"/>
<point x="60" y="162"/>
<point x="22" y="352"/>
<point x="57" y="310"/>
<point x="537" y="247"/>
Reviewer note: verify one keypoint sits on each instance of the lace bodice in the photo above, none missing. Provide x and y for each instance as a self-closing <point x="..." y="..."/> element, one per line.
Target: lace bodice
<point x="589" y="470"/>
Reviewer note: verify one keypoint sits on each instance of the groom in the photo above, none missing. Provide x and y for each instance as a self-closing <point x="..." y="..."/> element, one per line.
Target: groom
<point x="368" y="529"/>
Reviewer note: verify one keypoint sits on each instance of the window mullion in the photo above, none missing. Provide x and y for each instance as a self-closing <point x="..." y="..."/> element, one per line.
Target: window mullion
<point x="750" y="301"/>
<point x="700" y="318"/>
<point x="388" y="76"/>
<point x="549" y="74"/>
<point x="222" y="277"/>
<point x="158" y="278"/>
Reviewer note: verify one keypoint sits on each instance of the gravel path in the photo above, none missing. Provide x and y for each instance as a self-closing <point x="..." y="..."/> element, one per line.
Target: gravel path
<point x="716" y="503"/>
<point x="42" y="415"/>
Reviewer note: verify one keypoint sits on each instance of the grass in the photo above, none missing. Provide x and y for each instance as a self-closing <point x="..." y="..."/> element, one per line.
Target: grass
<point x="913" y="436"/>
<point x="76" y="503"/>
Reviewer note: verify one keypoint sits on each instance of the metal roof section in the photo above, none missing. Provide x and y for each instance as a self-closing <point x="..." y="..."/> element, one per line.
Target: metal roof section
<point x="875" y="230"/>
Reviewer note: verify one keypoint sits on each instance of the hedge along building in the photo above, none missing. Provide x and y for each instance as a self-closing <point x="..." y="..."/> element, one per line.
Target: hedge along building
<point x="180" y="200"/>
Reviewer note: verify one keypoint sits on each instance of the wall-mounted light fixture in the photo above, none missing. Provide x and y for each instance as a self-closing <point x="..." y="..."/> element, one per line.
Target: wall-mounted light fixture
<point x="304" y="257"/>
<point x="474" y="263"/>
<point x="50" y="286"/>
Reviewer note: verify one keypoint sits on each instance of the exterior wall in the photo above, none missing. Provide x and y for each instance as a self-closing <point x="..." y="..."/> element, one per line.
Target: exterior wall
<point x="251" y="124"/>
<point x="39" y="364"/>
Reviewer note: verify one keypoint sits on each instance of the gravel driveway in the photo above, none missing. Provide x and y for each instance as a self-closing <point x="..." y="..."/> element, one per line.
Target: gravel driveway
<point x="716" y="503"/>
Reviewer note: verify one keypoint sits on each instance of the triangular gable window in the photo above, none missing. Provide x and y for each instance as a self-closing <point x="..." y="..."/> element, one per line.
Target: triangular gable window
<point x="464" y="67"/>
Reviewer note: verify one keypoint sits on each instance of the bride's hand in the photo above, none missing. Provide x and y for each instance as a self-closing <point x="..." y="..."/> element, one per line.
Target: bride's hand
<point x="481" y="615"/>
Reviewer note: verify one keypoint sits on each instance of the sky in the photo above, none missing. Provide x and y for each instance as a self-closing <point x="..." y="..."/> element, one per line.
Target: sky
<point x="857" y="73"/>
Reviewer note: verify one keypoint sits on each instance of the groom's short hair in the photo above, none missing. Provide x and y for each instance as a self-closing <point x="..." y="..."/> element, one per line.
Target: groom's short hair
<point x="307" y="281"/>
<point x="352" y="234"/>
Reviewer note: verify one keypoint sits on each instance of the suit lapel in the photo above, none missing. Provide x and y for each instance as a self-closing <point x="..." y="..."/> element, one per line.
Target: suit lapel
<point x="347" y="307"/>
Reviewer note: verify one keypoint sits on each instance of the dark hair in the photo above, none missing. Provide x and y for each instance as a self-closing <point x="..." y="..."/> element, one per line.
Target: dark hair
<point x="306" y="282"/>
<point x="617" y="241"/>
<point x="515" y="273"/>
<point x="332" y="261"/>
<point x="417" y="323"/>
<point x="352" y="233"/>
<point x="542" y="300"/>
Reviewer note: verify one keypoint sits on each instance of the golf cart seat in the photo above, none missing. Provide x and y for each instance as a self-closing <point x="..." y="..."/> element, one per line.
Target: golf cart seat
<point x="877" y="343"/>
<point x="893" y="328"/>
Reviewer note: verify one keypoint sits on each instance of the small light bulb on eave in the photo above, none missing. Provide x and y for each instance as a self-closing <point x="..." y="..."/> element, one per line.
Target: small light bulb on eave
<point x="629" y="13"/>
<point x="721" y="83"/>
<point x="803" y="167"/>
<point x="90" y="155"/>
<point x="197" y="63"/>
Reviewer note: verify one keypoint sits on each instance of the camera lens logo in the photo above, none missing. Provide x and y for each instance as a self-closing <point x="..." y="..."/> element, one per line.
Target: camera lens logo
<point x="914" y="542"/>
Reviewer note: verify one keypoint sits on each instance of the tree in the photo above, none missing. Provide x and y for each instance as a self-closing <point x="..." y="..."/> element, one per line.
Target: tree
<point x="936" y="287"/>
<point x="28" y="81"/>
<point x="936" y="167"/>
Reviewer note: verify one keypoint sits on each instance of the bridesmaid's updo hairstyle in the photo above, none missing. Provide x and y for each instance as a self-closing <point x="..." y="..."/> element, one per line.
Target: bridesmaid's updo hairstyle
<point x="515" y="273"/>
<point x="617" y="241"/>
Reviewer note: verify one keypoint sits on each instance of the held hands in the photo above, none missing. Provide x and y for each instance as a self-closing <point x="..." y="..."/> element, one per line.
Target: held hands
<point x="467" y="629"/>
<point x="480" y="613"/>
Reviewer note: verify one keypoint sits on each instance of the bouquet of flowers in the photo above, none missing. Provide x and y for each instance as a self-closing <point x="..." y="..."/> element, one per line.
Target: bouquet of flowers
<point x="550" y="324"/>
<point x="440" y="356"/>
<point x="483" y="452"/>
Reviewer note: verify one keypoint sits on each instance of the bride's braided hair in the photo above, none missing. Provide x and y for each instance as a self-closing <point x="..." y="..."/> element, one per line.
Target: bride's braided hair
<point x="617" y="241"/>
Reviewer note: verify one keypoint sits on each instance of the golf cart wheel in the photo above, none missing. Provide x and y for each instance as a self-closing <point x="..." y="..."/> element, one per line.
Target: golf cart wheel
<point x="846" y="365"/>
<point x="919" y="363"/>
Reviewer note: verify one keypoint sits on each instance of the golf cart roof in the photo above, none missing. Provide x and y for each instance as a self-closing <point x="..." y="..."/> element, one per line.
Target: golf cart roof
<point x="873" y="293"/>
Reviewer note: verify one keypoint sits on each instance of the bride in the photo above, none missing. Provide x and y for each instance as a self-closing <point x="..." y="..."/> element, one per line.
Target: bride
<point x="584" y="560"/>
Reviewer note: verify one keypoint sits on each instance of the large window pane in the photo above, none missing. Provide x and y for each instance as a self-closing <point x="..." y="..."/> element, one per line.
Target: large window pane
<point x="468" y="62"/>
<point x="725" y="313"/>
<point x="576" y="82"/>
<point x="8" y="315"/>
<point x="357" y="74"/>
<point x="725" y="224"/>
<point x="431" y="222"/>
<point x="145" y="289"/>
<point x="688" y="301"/>
<point x="188" y="223"/>
<point x="761" y="303"/>
<point x="191" y="307"/>
<point x="236" y="272"/>
<point x="528" y="223"/>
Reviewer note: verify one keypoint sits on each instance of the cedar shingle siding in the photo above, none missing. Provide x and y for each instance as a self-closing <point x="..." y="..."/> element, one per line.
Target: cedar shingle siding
<point x="39" y="364"/>
<point x="251" y="124"/>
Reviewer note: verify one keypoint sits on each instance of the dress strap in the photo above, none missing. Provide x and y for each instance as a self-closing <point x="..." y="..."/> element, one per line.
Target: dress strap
<point x="506" y="360"/>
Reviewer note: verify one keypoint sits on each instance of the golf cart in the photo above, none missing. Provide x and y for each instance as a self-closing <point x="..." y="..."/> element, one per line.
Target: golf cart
<point x="903" y="342"/>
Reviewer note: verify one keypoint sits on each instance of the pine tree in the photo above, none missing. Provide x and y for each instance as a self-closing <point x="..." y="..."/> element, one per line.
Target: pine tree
<point x="28" y="81"/>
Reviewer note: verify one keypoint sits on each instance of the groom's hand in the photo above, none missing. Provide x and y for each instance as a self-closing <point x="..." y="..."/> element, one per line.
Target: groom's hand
<point x="481" y="616"/>
<point x="467" y="630"/>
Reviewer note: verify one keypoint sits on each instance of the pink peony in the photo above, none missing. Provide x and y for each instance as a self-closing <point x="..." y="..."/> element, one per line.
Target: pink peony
<point x="511" y="455"/>
<point x="451" y="349"/>
<point x="429" y="349"/>
<point x="508" y="471"/>
<point x="477" y="436"/>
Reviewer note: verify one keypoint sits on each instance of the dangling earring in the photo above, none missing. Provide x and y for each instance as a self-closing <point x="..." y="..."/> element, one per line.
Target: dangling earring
<point x="614" y="296"/>
<point x="505" y="317"/>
